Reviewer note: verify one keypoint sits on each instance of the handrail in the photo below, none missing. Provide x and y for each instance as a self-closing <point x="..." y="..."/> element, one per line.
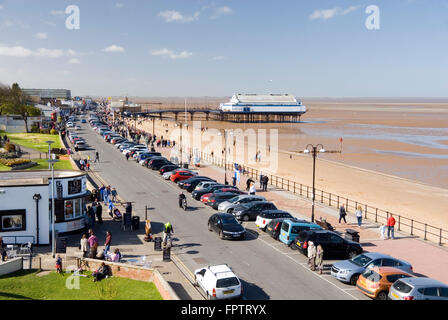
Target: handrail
<point x="404" y="224"/>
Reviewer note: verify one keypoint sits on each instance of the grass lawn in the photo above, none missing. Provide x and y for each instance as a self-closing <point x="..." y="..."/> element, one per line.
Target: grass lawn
<point x="35" y="140"/>
<point x="25" y="285"/>
<point x="42" y="164"/>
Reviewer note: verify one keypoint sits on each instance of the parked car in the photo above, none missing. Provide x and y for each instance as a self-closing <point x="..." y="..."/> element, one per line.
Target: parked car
<point x="205" y="184"/>
<point x="376" y="282"/>
<point x="226" y="226"/>
<point x="250" y="211"/>
<point x="156" y="164"/>
<point x="216" y="198"/>
<point x="266" y="216"/>
<point x="146" y="162"/>
<point x="218" y="282"/>
<point x="168" y="167"/>
<point x="273" y="228"/>
<point x="146" y="155"/>
<point x="418" y="288"/>
<point x="292" y="227"/>
<point x="82" y="145"/>
<point x="83" y="121"/>
<point x="332" y="243"/>
<point x="349" y="270"/>
<point x="179" y="175"/>
<point x="197" y="194"/>
<point x="167" y="175"/>
<point x="69" y="124"/>
<point x="190" y="184"/>
<point x="228" y="206"/>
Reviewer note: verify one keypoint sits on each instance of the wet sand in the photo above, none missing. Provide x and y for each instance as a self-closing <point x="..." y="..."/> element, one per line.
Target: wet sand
<point x="394" y="155"/>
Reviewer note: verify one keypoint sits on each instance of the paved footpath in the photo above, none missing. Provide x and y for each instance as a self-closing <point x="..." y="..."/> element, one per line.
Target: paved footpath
<point x="427" y="258"/>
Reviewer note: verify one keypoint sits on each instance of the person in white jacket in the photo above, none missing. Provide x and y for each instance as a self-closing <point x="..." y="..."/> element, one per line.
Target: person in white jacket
<point x="312" y="255"/>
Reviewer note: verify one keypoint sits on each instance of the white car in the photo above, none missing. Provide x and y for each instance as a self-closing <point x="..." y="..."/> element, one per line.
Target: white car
<point x="77" y="127"/>
<point x="228" y="206"/>
<point x="69" y="124"/>
<point x="267" y="216"/>
<point x="218" y="282"/>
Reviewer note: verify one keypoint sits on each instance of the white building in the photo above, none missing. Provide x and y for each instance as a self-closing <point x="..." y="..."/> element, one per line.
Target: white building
<point x="15" y="124"/>
<point x="263" y="103"/>
<point x="24" y="219"/>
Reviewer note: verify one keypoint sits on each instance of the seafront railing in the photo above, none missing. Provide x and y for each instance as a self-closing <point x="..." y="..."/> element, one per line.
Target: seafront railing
<point x="403" y="224"/>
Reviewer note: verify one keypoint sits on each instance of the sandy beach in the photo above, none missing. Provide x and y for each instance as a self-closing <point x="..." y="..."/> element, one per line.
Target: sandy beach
<point x="394" y="154"/>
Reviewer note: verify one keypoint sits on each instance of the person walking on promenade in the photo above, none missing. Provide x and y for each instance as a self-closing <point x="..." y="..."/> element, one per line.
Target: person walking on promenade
<point x="248" y="183"/>
<point x="91" y="214"/>
<point x="93" y="243"/>
<point x="114" y="195"/>
<point x="359" y="215"/>
<point x="261" y="181"/>
<point x="319" y="258"/>
<point x="342" y="214"/>
<point x="99" y="213"/>
<point x="97" y="157"/>
<point x="252" y="189"/>
<point x="265" y="183"/>
<point x="383" y="231"/>
<point x="84" y="245"/>
<point x="390" y="227"/>
<point x="311" y="255"/>
<point x="107" y="243"/>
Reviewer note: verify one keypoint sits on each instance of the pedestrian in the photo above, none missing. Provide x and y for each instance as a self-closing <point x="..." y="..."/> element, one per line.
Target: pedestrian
<point x="88" y="166"/>
<point x="390" y="227"/>
<point x="359" y="215"/>
<point x="252" y="189"/>
<point x="342" y="214"/>
<point x="2" y="249"/>
<point x="383" y="231"/>
<point x="311" y="255"/>
<point x="261" y="181"/>
<point x="127" y="156"/>
<point x="114" y="195"/>
<point x="99" y="213"/>
<point x="93" y="243"/>
<point x="248" y="182"/>
<point x="91" y="214"/>
<point x="82" y="163"/>
<point x="97" y="157"/>
<point x="59" y="264"/>
<point x="319" y="258"/>
<point x="107" y="243"/>
<point x="265" y="183"/>
<point x="84" y="245"/>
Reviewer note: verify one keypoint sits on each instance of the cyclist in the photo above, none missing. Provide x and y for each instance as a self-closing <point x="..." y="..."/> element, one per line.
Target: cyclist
<point x="167" y="231"/>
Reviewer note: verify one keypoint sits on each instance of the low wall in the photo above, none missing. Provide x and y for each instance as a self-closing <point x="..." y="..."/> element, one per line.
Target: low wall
<point x="11" y="266"/>
<point x="137" y="273"/>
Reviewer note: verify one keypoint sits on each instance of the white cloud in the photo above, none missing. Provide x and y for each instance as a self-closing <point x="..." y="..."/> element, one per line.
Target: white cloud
<point x="171" y="54"/>
<point x="176" y="16"/>
<point x="113" y="48"/>
<point x="331" y="13"/>
<point x="119" y="5"/>
<point x="41" y="35"/>
<point x="74" y="61"/>
<point x="219" y="58"/>
<point x="221" y="11"/>
<point x="19" y="51"/>
<point x="1" y="7"/>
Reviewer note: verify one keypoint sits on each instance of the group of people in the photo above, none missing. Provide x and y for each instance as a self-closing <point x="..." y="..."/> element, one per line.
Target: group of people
<point x="264" y="182"/>
<point x="89" y="246"/>
<point x="315" y="256"/>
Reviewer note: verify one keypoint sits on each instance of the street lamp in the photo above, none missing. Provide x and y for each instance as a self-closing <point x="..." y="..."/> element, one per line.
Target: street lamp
<point x="36" y="198"/>
<point x="49" y="150"/>
<point x="224" y="133"/>
<point x="179" y="124"/>
<point x="51" y="163"/>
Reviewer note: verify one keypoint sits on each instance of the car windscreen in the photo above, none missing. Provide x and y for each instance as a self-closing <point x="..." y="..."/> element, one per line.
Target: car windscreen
<point x="371" y="275"/>
<point x="361" y="260"/>
<point x="227" y="282"/>
<point x="229" y="221"/>
<point x="402" y="287"/>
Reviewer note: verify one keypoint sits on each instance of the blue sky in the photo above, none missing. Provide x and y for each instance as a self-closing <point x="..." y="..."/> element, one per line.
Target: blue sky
<point x="318" y="48"/>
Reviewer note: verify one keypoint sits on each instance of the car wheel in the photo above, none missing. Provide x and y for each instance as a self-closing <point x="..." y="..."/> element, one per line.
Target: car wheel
<point x="209" y="227"/>
<point x="246" y="218"/>
<point x="354" y="279"/>
<point x="382" y="295"/>
<point x="230" y="210"/>
<point x="221" y="235"/>
<point x="352" y="254"/>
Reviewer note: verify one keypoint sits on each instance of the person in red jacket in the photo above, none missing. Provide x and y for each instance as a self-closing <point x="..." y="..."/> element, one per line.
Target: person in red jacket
<point x="390" y="227"/>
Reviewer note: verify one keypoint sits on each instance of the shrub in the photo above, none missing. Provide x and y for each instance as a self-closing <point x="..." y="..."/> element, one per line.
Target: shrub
<point x="53" y="131"/>
<point x="13" y="162"/>
<point x="10" y="155"/>
<point x="35" y="128"/>
<point x="45" y="131"/>
<point x="9" y="147"/>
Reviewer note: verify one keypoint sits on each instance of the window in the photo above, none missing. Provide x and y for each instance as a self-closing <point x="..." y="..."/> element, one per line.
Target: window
<point x="388" y="263"/>
<point x="285" y="227"/>
<point x="12" y="220"/>
<point x="336" y="239"/>
<point x="443" y="292"/>
<point x="227" y="282"/>
<point x="298" y="229"/>
<point x="372" y="276"/>
<point x="361" y="260"/>
<point x="376" y="263"/>
<point x="430" y="292"/>
<point x="74" y="186"/>
<point x="393" y="277"/>
<point x="402" y="287"/>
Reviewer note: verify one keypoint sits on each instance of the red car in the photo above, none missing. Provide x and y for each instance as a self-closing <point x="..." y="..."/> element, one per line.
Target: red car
<point x="204" y="198"/>
<point x="181" y="175"/>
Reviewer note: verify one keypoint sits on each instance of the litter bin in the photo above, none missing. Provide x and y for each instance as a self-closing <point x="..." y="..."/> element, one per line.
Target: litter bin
<point x="135" y="222"/>
<point x="185" y="165"/>
<point x="352" y="235"/>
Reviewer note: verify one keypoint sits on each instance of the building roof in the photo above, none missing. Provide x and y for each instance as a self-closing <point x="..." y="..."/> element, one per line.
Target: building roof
<point x="37" y="177"/>
<point x="265" y="98"/>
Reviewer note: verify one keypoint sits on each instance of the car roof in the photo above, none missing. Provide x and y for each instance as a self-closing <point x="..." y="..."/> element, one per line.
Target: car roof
<point x="376" y="255"/>
<point x="389" y="270"/>
<point x="423" y="282"/>
<point x="297" y="222"/>
<point x="223" y="194"/>
<point x="224" y="214"/>
<point x="221" y="271"/>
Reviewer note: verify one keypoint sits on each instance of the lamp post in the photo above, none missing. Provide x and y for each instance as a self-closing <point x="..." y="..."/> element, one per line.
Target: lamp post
<point x="53" y="217"/>
<point x="224" y="134"/>
<point x="36" y="198"/>
<point x="49" y="150"/>
<point x="179" y="124"/>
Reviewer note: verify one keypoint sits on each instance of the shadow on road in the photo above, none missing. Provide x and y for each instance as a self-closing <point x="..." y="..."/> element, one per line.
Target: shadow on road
<point x="253" y="292"/>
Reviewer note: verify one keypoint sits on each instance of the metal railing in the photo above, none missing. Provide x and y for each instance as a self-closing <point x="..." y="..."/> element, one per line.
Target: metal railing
<point x="403" y="224"/>
<point x="25" y="240"/>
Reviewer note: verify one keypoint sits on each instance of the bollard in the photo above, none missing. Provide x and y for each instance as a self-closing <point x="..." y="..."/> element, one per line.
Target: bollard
<point x="365" y="213"/>
<point x="425" y="231"/>
<point x="329" y="199"/>
<point x="412" y="227"/>
<point x="398" y="222"/>
<point x="376" y="215"/>
<point x="440" y="238"/>
<point x="322" y="197"/>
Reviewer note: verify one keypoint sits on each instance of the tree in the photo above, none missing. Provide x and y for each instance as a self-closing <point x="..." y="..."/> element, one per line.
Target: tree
<point x="14" y="101"/>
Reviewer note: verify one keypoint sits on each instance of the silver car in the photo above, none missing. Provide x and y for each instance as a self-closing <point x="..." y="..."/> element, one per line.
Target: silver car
<point x="418" y="289"/>
<point x="349" y="270"/>
<point x="228" y="206"/>
<point x="205" y="184"/>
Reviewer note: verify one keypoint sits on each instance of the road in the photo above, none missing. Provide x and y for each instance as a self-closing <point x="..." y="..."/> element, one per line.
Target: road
<point x="268" y="268"/>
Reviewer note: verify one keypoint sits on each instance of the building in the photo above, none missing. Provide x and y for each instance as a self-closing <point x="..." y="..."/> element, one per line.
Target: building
<point x="25" y="210"/>
<point x="42" y="94"/>
<point x="16" y="124"/>
<point x="125" y="105"/>
<point x="263" y="103"/>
